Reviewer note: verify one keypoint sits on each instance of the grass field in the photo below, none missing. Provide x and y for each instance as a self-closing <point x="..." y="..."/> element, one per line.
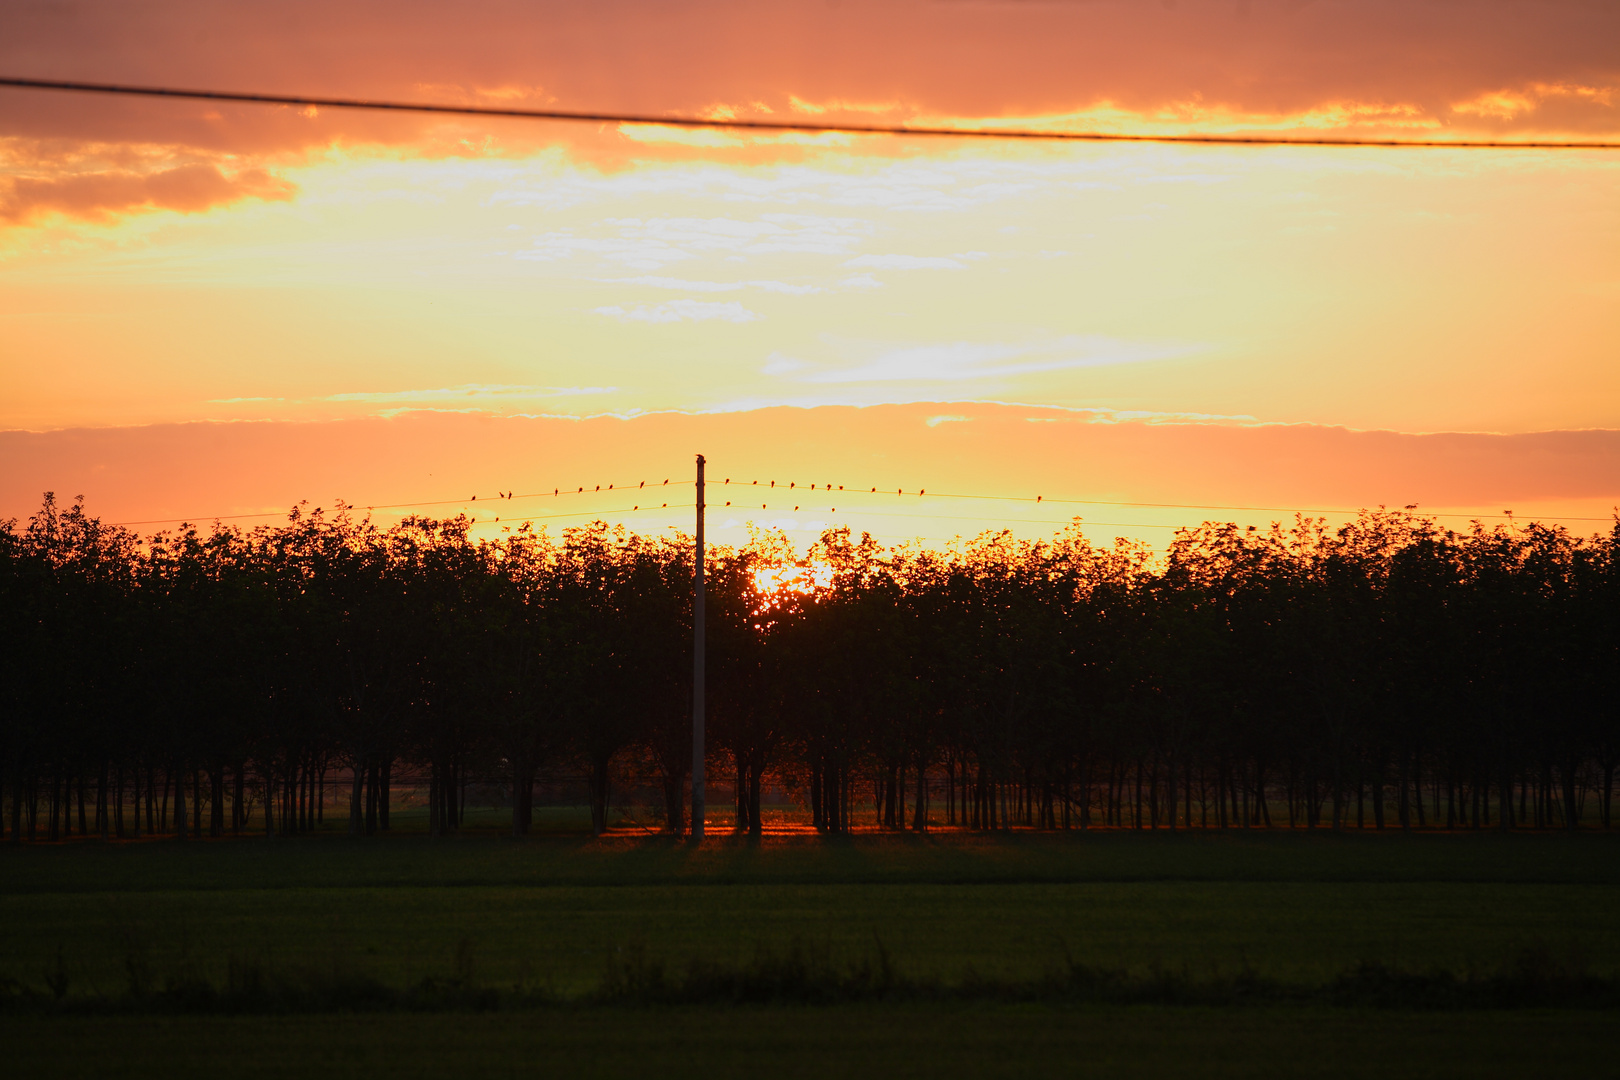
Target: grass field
<point x="822" y="1043"/>
<point x="554" y="914"/>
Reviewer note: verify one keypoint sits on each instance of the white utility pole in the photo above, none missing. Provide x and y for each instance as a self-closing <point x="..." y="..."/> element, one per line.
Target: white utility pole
<point x="697" y="667"/>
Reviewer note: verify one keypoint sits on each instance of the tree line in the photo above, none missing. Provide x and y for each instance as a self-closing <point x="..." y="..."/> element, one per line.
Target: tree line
<point x="1388" y="673"/>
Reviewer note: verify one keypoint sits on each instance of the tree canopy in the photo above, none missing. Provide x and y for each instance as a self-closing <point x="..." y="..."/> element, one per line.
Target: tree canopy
<point x="1386" y="673"/>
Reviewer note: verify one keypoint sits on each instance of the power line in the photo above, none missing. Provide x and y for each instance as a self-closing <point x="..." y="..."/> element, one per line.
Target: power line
<point x="554" y="493"/>
<point x="488" y="521"/>
<point x="588" y="513"/>
<point x="1042" y="500"/>
<point x="962" y="517"/>
<point x="775" y="487"/>
<point x="801" y="126"/>
<point x="803" y="509"/>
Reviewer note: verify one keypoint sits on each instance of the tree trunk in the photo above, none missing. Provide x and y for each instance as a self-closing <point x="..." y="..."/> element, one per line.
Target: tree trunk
<point x="1403" y="806"/>
<point x="1608" y="793"/>
<point x="289" y="801"/>
<point x="357" y="806"/>
<point x="1572" y="810"/>
<point x="756" y="827"/>
<point x="523" y="795"/>
<point x="817" y="820"/>
<point x="373" y="795"/>
<point x="1504" y="793"/>
<point x="267" y="785"/>
<point x="103" y="818"/>
<point x="1136" y="809"/>
<point x="836" y="807"/>
<point x="845" y="797"/>
<point x="196" y="803"/>
<point x="216" y="795"/>
<point x="1338" y="792"/>
<point x="829" y="796"/>
<point x="599" y="796"/>
<point x="899" y="796"/>
<point x="179" y="776"/>
<point x="919" y="817"/>
<point x="385" y="796"/>
<point x="435" y="818"/>
<point x="1417" y="790"/>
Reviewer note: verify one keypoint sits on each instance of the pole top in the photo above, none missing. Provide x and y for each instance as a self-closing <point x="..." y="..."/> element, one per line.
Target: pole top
<point x="700" y="459"/>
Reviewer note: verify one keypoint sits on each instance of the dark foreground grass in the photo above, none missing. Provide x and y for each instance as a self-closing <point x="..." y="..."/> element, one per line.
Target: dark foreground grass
<point x="1295" y="908"/>
<point x="807" y="976"/>
<point x="1128" y="953"/>
<point x="887" y="1040"/>
<point x="565" y="937"/>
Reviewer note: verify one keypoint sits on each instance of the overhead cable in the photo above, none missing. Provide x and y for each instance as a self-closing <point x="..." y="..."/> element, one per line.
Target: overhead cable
<point x="867" y="491"/>
<point x="812" y="127"/>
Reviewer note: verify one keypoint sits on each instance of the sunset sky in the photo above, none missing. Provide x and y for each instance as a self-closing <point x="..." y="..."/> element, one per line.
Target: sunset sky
<point x="212" y="309"/>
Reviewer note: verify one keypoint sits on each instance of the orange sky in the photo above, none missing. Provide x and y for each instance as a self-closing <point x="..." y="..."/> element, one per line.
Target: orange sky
<point x="219" y="309"/>
<point x="442" y="459"/>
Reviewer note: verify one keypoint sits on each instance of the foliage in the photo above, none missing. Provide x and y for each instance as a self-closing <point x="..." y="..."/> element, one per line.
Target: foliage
<point x="1384" y="673"/>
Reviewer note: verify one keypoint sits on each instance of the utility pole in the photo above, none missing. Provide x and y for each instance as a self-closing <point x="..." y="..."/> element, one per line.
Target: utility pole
<point x="697" y="667"/>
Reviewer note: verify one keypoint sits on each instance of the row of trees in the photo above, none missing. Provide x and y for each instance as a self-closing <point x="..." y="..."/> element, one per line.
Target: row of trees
<point x="1386" y="673"/>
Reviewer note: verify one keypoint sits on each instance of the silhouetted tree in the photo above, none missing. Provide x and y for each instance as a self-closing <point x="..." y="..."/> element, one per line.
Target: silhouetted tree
<point x="1384" y="673"/>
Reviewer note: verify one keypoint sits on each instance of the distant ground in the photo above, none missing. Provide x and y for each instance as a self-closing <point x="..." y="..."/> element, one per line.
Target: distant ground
<point x="551" y="915"/>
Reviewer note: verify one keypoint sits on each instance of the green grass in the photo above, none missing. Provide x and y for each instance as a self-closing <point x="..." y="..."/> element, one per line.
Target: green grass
<point x="398" y="909"/>
<point x="554" y="914"/>
<point x="565" y="936"/>
<point x="835" y="1042"/>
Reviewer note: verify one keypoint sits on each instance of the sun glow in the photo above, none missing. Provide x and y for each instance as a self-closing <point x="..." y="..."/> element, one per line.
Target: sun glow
<point x="772" y="582"/>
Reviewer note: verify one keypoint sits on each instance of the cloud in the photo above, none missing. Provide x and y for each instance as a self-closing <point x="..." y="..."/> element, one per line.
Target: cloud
<point x="465" y="393"/>
<point x="716" y="286"/>
<point x="679" y="310"/>
<point x="894" y="186"/>
<point x="861" y="281"/>
<point x="783" y="287"/>
<point x="654" y="243"/>
<point x="780" y="364"/>
<point x="906" y="262"/>
<point x="1508" y="104"/>
<point x="967" y="360"/>
<point x="100" y="195"/>
<point x="633" y="252"/>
